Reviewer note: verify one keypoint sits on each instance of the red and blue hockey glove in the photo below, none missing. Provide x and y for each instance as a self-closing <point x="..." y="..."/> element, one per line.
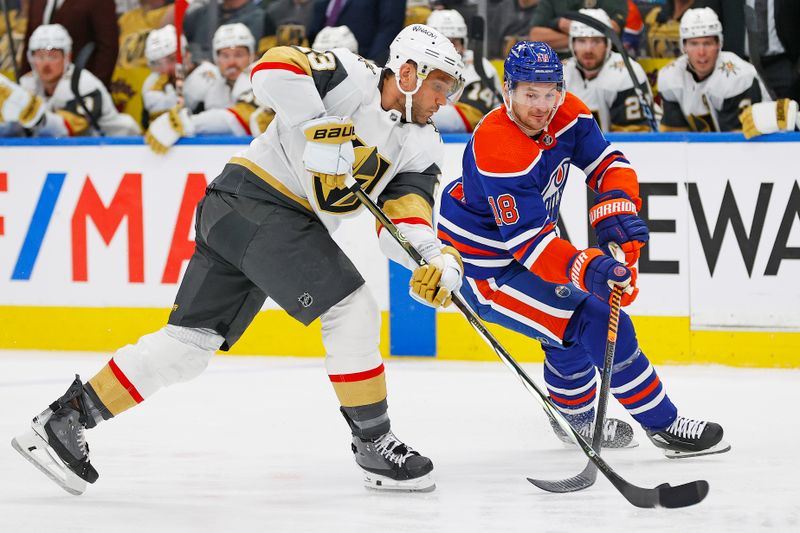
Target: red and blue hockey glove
<point x="592" y="271"/>
<point x="614" y="219"/>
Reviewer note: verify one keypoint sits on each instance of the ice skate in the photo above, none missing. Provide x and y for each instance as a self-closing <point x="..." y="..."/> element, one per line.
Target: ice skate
<point x="56" y="443"/>
<point x="616" y="433"/>
<point x="689" y="438"/>
<point x="388" y="464"/>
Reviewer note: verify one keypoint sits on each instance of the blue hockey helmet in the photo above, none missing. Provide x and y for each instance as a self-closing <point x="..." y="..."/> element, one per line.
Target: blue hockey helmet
<point x="533" y="61"/>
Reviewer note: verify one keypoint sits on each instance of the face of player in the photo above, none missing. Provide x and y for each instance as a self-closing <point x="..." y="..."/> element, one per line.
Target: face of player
<point x="702" y="53"/>
<point x="49" y="65"/>
<point x="233" y="61"/>
<point x="431" y="95"/>
<point x="459" y="44"/>
<point x="165" y="65"/>
<point x="590" y="52"/>
<point x="532" y="103"/>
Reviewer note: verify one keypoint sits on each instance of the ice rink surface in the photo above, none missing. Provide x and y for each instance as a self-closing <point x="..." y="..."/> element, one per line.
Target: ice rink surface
<point x="257" y="444"/>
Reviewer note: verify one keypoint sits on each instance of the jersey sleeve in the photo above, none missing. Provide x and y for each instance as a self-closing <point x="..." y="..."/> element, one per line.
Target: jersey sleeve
<point x="728" y="117"/>
<point x="606" y="167"/>
<point x="293" y="81"/>
<point x="408" y="201"/>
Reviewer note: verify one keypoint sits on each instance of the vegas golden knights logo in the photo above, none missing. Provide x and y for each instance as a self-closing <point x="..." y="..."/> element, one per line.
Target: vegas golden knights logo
<point x="368" y="169"/>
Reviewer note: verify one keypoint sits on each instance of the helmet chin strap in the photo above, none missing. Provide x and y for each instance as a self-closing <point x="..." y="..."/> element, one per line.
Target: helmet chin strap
<point x="409" y="95"/>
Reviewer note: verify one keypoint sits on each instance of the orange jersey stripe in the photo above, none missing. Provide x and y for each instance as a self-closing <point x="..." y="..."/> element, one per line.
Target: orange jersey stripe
<point x="557" y="325"/>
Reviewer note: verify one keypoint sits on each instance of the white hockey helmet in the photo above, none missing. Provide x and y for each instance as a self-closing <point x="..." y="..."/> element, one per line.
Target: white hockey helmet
<point x="700" y="22"/>
<point x="579" y="29"/>
<point x="233" y="36"/>
<point x="163" y="42"/>
<point x="430" y="50"/>
<point x="49" y="37"/>
<point x="450" y="23"/>
<point x="331" y="37"/>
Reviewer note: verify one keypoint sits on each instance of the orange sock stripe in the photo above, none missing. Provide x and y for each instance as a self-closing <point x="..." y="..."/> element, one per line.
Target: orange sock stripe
<point x="641" y="394"/>
<point x="583" y="399"/>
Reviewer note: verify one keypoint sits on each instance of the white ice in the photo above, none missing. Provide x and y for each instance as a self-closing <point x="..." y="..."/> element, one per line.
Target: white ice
<point x="257" y="444"/>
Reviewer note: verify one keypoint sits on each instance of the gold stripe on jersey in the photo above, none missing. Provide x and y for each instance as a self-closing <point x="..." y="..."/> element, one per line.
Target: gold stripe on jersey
<point x="160" y="83"/>
<point x="409" y="206"/>
<point x="286" y="55"/>
<point x="471" y="113"/>
<point x="358" y="393"/>
<point x="76" y="124"/>
<point x="630" y="128"/>
<point x="111" y="392"/>
<point x="270" y="180"/>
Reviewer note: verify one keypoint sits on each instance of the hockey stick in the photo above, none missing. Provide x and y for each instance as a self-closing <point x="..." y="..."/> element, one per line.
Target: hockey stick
<point x="477" y="32"/>
<point x="79" y="65"/>
<point x="180" y="10"/>
<point x="663" y="495"/>
<point x="11" y="46"/>
<point x="588" y="475"/>
<point x="644" y="100"/>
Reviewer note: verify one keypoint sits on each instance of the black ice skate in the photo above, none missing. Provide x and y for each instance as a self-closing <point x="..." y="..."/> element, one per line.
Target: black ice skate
<point x="56" y="443"/>
<point x="616" y="433"/>
<point x="388" y="464"/>
<point x="689" y="438"/>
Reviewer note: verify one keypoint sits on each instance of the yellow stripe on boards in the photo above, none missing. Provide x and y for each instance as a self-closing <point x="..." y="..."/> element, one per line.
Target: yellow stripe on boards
<point x="663" y="339"/>
<point x="273" y="332"/>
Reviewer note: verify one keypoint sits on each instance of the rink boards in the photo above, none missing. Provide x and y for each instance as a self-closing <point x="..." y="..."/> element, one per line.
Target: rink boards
<point x="94" y="236"/>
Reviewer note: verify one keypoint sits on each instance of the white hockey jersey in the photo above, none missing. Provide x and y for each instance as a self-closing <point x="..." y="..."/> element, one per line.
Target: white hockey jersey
<point x="158" y="92"/>
<point x="393" y="158"/>
<point x="65" y="117"/>
<point x="476" y="100"/>
<point x="610" y="95"/>
<point x="712" y="104"/>
<point x="221" y="95"/>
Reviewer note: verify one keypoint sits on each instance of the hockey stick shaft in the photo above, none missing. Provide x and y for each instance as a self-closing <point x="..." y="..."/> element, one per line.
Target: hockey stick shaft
<point x="477" y="33"/>
<point x="81" y="60"/>
<point x="644" y="99"/>
<point x="180" y="10"/>
<point x="664" y="495"/>
<point x="11" y="46"/>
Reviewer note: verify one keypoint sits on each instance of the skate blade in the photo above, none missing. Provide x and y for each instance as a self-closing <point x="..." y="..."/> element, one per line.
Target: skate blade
<point x="424" y="483"/>
<point x="720" y="447"/>
<point x="36" y="450"/>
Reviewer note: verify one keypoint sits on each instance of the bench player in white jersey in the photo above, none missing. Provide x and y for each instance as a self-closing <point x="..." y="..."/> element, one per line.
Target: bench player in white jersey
<point x="478" y="98"/>
<point x="158" y="90"/>
<point x="263" y="230"/>
<point x="331" y="37"/>
<point x="228" y="105"/>
<point x="706" y="88"/>
<point x="43" y="104"/>
<point x="598" y="76"/>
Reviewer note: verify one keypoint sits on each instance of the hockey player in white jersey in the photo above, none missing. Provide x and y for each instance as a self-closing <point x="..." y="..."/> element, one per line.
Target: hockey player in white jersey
<point x="228" y="105"/>
<point x="706" y="88"/>
<point x="597" y="75"/>
<point x="263" y="230"/>
<point x="43" y="104"/>
<point x="477" y="98"/>
<point x="158" y="91"/>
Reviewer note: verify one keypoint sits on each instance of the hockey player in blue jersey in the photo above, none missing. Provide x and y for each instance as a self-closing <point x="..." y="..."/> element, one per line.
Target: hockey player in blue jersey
<point x="501" y="216"/>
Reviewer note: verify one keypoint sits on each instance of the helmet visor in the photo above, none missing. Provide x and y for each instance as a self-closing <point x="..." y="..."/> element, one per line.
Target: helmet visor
<point x="536" y="94"/>
<point x="446" y="85"/>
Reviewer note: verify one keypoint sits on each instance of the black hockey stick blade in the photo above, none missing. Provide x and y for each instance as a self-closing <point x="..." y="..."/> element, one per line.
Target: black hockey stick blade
<point x="584" y="480"/>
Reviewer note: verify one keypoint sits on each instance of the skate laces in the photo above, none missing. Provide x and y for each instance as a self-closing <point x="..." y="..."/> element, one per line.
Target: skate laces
<point x="687" y="428"/>
<point x="392" y="449"/>
<point x="609" y="430"/>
